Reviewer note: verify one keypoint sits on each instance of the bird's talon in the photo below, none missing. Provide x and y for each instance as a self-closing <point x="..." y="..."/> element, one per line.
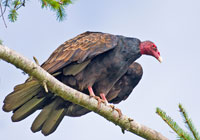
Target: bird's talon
<point x="112" y="106"/>
<point x="119" y="112"/>
<point x="98" y="99"/>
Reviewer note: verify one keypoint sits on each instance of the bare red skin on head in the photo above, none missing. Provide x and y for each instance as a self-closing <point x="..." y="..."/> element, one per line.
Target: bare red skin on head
<point x="149" y="48"/>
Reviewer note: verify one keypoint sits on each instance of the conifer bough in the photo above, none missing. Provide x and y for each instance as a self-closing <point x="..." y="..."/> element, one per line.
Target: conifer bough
<point x="13" y="6"/>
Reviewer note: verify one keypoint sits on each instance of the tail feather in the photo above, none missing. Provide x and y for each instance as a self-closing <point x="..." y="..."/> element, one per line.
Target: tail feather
<point x="29" y="97"/>
<point x="28" y="108"/>
<point x="52" y="123"/>
<point x="43" y="116"/>
<point x="21" y="94"/>
<point x="56" y="116"/>
<point x="26" y="84"/>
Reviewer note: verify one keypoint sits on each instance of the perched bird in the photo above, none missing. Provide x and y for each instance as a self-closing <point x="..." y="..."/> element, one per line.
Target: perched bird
<point x="119" y="92"/>
<point x="92" y="62"/>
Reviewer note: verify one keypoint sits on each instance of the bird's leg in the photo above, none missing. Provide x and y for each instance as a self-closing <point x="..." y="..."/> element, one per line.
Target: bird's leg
<point x="91" y="92"/>
<point x="112" y="106"/>
<point x="103" y="97"/>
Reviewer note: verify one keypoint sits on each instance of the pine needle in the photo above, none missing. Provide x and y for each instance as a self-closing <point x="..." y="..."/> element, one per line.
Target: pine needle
<point x="58" y="6"/>
<point x="189" y="123"/>
<point x="179" y="131"/>
<point x="13" y="15"/>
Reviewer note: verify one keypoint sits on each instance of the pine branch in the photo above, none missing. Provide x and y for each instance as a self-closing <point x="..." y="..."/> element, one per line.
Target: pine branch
<point x="179" y="131"/>
<point x="13" y="15"/>
<point x="58" y="6"/>
<point x="189" y="123"/>
<point x="77" y="97"/>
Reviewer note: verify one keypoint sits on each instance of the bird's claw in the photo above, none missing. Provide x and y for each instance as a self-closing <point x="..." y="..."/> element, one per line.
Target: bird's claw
<point x="99" y="100"/>
<point x="119" y="111"/>
<point x="112" y="106"/>
<point x="116" y="109"/>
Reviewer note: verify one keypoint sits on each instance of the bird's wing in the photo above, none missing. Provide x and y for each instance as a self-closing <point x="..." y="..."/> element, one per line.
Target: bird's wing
<point x="120" y="91"/>
<point x="125" y="85"/>
<point x="79" y="49"/>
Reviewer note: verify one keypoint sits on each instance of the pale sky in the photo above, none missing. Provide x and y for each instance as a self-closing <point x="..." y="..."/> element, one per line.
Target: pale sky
<point x="173" y="25"/>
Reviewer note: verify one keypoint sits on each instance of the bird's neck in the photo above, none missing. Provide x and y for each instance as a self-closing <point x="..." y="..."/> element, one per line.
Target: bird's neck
<point x="143" y="49"/>
<point x="131" y="48"/>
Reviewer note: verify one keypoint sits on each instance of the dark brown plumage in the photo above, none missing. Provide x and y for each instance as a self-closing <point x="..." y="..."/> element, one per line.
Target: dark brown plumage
<point x="119" y="92"/>
<point x="83" y="47"/>
<point x="92" y="59"/>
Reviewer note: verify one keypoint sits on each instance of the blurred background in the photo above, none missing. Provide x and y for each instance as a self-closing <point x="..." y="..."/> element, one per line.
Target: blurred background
<point x="174" y="26"/>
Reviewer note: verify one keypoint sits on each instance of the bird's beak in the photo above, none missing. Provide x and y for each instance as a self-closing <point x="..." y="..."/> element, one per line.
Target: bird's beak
<point x="160" y="59"/>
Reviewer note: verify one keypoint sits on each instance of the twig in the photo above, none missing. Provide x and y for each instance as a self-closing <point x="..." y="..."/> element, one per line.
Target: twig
<point x="44" y="83"/>
<point x="36" y="61"/>
<point x="2" y="14"/>
<point x="189" y="122"/>
<point x="6" y="4"/>
<point x="23" y="4"/>
<point x="77" y="97"/>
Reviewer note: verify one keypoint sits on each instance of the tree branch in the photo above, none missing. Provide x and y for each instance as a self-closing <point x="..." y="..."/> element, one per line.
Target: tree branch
<point x="2" y="14"/>
<point x="77" y="97"/>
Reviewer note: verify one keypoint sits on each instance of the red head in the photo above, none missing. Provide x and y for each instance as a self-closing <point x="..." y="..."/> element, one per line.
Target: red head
<point x="149" y="48"/>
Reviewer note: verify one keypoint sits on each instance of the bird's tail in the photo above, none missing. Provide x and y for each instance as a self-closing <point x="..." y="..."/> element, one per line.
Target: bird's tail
<point x="21" y="97"/>
<point x="53" y="113"/>
<point x="31" y="96"/>
<point x="50" y="117"/>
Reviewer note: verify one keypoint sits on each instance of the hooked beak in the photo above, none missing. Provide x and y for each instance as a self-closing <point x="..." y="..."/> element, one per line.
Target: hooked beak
<point x="160" y="59"/>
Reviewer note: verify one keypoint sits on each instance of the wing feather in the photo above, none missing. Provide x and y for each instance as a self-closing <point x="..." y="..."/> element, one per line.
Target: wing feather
<point x="124" y="87"/>
<point x="81" y="48"/>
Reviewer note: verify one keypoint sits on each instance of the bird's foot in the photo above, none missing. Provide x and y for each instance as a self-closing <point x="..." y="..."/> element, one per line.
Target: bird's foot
<point x="116" y="109"/>
<point x="103" y="97"/>
<point x="119" y="112"/>
<point x="99" y="100"/>
<point x="91" y="92"/>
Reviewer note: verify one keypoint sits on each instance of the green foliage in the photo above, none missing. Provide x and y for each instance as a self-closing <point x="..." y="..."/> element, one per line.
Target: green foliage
<point x="182" y="134"/>
<point x="58" y="6"/>
<point x="1" y="42"/>
<point x="188" y="122"/>
<point x="13" y="15"/>
<point x="60" y="13"/>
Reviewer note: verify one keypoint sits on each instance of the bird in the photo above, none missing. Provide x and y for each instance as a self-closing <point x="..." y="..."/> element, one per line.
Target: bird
<point x="93" y="63"/>
<point x="119" y="92"/>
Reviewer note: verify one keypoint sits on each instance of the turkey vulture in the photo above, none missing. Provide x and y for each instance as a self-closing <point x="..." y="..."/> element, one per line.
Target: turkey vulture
<point x="120" y="91"/>
<point x="90" y="61"/>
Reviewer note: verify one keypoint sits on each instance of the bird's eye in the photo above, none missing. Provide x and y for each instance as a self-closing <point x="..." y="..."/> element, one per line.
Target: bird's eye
<point x="154" y="47"/>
